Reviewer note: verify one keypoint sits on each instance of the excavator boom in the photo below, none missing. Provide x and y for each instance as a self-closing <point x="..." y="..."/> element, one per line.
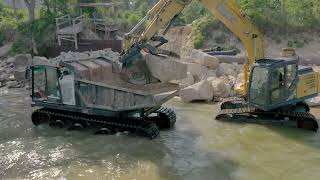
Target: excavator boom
<point x="226" y="11"/>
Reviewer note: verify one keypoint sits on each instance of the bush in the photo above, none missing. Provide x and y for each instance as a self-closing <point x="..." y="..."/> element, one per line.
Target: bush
<point x="200" y="28"/>
<point x="43" y="31"/>
<point x="2" y="39"/>
<point x="9" y="21"/>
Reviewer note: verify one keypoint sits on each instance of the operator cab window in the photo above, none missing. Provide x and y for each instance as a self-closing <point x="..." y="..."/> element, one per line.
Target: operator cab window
<point x="259" y="85"/>
<point x="277" y="84"/>
<point x="45" y="85"/>
<point x="291" y="74"/>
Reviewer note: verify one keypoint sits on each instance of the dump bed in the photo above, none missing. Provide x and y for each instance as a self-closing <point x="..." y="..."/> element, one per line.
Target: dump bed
<point x="97" y="83"/>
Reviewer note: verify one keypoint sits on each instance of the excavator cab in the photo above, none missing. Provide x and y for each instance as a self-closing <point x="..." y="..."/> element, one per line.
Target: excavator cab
<point x="273" y="83"/>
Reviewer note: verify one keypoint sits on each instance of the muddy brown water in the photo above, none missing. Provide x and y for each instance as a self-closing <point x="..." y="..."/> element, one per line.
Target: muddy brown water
<point x="197" y="148"/>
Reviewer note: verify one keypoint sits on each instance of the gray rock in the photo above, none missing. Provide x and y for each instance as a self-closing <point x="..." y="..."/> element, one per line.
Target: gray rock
<point x="239" y="81"/>
<point x="19" y="75"/>
<point x="4" y="50"/>
<point x="199" y="91"/>
<point x="165" y="68"/>
<point x="188" y="81"/>
<point x="226" y="69"/>
<point x="37" y="60"/>
<point x="194" y="68"/>
<point x="22" y="60"/>
<point x="221" y="89"/>
<point x="204" y="59"/>
<point x="15" y="84"/>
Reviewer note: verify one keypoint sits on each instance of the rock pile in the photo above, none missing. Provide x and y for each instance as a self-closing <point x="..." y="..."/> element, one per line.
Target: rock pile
<point x="208" y="79"/>
<point x="67" y="56"/>
<point x="12" y="70"/>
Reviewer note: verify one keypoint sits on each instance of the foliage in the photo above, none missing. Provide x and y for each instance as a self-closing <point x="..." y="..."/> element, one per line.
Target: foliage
<point x="8" y="23"/>
<point x="192" y="12"/>
<point x="283" y="15"/>
<point x="200" y="28"/>
<point x="270" y="15"/>
<point x="42" y="29"/>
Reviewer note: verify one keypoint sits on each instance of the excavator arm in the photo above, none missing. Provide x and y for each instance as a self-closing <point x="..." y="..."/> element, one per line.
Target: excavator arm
<point x="227" y="11"/>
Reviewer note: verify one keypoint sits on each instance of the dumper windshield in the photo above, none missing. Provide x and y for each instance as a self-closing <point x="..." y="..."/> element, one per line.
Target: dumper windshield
<point x="45" y="83"/>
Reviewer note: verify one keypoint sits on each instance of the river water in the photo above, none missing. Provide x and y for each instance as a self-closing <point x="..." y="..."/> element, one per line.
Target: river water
<point x="197" y="148"/>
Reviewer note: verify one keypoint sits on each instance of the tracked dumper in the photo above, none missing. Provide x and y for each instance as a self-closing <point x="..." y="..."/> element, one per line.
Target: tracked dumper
<point x="97" y="93"/>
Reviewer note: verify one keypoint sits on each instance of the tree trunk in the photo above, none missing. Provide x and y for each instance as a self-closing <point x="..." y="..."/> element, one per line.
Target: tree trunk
<point x="14" y="9"/>
<point x="31" y="7"/>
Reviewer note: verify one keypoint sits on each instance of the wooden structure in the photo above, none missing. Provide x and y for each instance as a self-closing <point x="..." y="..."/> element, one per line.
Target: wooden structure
<point x="104" y="26"/>
<point x="68" y="29"/>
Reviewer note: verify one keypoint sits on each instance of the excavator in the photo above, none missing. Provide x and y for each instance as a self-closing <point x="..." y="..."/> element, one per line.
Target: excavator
<point x="111" y="93"/>
<point x="273" y="90"/>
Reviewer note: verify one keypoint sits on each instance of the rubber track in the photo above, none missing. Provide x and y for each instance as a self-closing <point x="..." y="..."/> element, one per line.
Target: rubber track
<point x="234" y="102"/>
<point x="138" y="126"/>
<point x="251" y="115"/>
<point x="170" y="114"/>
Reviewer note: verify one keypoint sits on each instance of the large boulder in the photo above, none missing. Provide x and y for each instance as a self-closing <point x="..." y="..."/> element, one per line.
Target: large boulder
<point x="239" y="81"/>
<point x="188" y="81"/>
<point x="21" y="61"/>
<point x="227" y="59"/>
<point x="165" y="69"/>
<point x="316" y="68"/>
<point x="204" y="59"/>
<point x="221" y="89"/>
<point x="200" y="91"/>
<point x="4" y="77"/>
<point x="208" y="73"/>
<point x="313" y="101"/>
<point x="37" y="60"/>
<point x="15" y="84"/>
<point x="4" y="50"/>
<point x="226" y="69"/>
<point x="195" y="69"/>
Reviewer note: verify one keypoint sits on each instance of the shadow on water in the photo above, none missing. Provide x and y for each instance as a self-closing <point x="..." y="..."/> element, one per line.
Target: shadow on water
<point x="306" y="137"/>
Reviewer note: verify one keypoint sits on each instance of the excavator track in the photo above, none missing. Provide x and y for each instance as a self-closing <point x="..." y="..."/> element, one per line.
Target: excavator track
<point x="165" y="118"/>
<point x="303" y="120"/>
<point x="233" y="103"/>
<point x="139" y="126"/>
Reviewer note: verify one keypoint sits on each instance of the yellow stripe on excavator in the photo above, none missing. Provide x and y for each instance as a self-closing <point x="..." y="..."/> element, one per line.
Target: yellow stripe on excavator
<point x="308" y="84"/>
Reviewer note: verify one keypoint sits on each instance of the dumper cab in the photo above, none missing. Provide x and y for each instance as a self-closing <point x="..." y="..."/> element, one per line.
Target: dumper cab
<point x="276" y="83"/>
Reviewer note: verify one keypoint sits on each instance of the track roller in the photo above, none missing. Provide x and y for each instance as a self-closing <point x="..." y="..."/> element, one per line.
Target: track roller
<point x="76" y="126"/>
<point x="57" y="123"/>
<point x="103" y="131"/>
<point x="164" y="118"/>
<point x="38" y="117"/>
<point x="150" y="130"/>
